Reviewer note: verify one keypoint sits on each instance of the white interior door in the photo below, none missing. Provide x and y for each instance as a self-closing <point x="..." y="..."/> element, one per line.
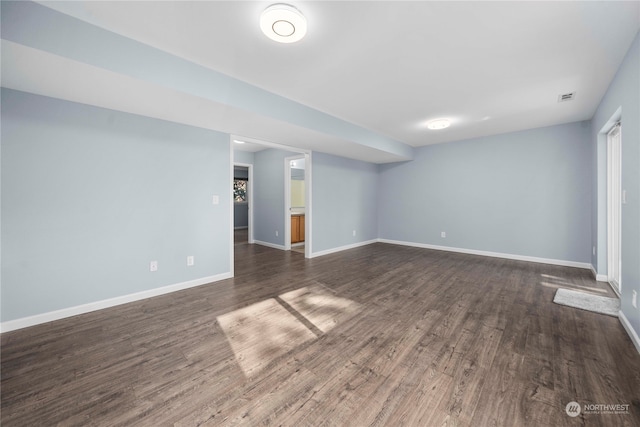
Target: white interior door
<point x="614" y="199"/>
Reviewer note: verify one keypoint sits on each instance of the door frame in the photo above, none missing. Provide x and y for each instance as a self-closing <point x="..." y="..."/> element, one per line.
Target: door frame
<point x="614" y="207"/>
<point x="287" y="200"/>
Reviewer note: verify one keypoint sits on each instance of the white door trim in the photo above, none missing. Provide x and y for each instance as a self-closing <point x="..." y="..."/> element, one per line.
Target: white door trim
<point x="287" y="198"/>
<point x="614" y="207"/>
<point x="232" y="254"/>
<point x="308" y="211"/>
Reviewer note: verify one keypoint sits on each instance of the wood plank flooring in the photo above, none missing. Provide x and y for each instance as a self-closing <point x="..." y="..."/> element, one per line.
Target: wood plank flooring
<point x="380" y="335"/>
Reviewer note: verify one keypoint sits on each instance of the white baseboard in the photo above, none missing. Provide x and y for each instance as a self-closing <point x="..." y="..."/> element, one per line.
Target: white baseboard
<point x="598" y="277"/>
<point x="25" y="322"/>
<point x="632" y="333"/>
<point x="269" y="245"/>
<point x="342" y="248"/>
<point x="490" y="254"/>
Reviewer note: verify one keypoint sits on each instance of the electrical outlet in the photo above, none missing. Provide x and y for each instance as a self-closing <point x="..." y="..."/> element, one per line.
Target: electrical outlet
<point x="354" y="233"/>
<point x="443" y="234"/>
<point x="190" y="260"/>
<point x="153" y="266"/>
<point x="634" y="299"/>
<point x="215" y="199"/>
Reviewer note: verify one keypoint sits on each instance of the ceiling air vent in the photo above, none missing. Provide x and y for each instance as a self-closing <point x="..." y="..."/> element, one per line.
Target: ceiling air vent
<point x="566" y="97"/>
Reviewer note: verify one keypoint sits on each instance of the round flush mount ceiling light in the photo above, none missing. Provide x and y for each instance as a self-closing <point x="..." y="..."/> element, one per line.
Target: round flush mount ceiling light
<point x="283" y="23"/>
<point x="438" y="124"/>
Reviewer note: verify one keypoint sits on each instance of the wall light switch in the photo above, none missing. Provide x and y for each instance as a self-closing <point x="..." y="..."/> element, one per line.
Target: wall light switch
<point x="624" y="197"/>
<point x="594" y="250"/>
<point x="354" y="233"/>
<point x="443" y="234"/>
<point x="276" y="233"/>
<point x="153" y="266"/>
<point x="190" y="260"/>
<point x="215" y="199"/>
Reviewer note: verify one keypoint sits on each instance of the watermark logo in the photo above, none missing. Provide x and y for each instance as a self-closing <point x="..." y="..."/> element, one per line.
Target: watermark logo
<point x="611" y="408"/>
<point x="573" y="409"/>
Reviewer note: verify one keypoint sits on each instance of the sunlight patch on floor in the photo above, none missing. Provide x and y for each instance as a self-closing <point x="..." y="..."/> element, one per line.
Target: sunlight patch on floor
<point x="551" y="281"/>
<point x="320" y="307"/>
<point x="571" y="285"/>
<point x="264" y="331"/>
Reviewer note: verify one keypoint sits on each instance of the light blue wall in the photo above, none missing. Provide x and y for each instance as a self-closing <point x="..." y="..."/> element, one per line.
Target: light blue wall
<point x="240" y="172"/>
<point x="525" y="193"/>
<point x="297" y="174"/>
<point x="624" y="94"/>
<point x="245" y="157"/>
<point x="90" y="196"/>
<point x="240" y="215"/>
<point x="345" y="198"/>
<point x="268" y="195"/>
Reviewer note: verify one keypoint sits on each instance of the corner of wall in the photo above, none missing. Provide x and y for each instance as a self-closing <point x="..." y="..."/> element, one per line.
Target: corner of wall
<point x="633" y="334"/>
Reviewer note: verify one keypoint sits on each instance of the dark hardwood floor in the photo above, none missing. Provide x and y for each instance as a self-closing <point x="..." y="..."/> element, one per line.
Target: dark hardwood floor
<point x="378" y="335"/>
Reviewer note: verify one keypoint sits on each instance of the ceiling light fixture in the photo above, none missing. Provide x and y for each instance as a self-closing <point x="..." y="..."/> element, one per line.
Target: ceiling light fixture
<point x="238" y="142"/>
<point x="438" y="124"/>
<point x="283" y="23"/>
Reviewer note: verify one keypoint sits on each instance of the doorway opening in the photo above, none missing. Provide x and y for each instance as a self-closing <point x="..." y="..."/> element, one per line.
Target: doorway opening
<point x="295" y="203"/>
<point x="242" y="203"/>
<point x="614" y="206"/>
<point x="268" y="218"/>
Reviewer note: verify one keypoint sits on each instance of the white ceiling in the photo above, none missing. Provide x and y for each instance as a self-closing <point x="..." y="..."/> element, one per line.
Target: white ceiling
<point x="491" y="67"/>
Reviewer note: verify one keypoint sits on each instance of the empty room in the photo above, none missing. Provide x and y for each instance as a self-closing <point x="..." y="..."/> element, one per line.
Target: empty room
<point x="419" y="213"/>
